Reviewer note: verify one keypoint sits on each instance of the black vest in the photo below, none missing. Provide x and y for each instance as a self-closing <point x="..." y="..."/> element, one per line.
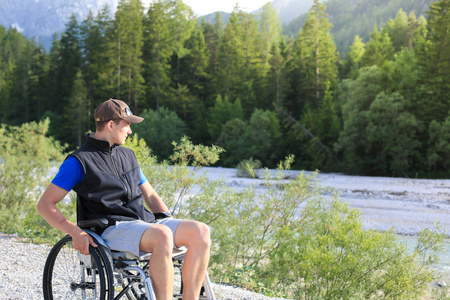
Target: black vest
<point x="110" y="187"/>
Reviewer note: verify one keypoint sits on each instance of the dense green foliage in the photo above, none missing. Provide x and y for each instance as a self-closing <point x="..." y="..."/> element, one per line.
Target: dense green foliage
<point x="381" y="109"/>
<point x="279" y="238"/>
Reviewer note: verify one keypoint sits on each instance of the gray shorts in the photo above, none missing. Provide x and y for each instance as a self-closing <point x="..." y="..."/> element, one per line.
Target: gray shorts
<point x="126" y="236"/>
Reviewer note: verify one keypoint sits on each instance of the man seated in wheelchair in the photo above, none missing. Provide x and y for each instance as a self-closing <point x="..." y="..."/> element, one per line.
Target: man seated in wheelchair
<point x="110" y="184"/>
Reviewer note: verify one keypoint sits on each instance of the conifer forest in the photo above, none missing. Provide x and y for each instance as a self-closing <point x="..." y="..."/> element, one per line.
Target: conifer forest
<point x="380" y="106"/>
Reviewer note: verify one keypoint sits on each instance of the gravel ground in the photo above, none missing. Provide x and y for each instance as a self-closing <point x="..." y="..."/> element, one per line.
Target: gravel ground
<point x="22" y="264"/>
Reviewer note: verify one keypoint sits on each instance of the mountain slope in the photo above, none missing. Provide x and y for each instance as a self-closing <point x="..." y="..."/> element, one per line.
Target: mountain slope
<point x="359" y="17"/>
<point x="287" y="10"/>
<point x="290" y="9"/>
<point x="42" y="18"/>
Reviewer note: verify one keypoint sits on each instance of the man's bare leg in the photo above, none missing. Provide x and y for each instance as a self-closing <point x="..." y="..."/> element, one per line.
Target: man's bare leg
<point x="158" y="239"/>
<point x="196" y="237"/>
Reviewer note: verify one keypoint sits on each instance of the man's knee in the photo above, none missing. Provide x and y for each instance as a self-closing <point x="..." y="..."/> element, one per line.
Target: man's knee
<point x="157" y="238"/>
<point x="203" y="235"/>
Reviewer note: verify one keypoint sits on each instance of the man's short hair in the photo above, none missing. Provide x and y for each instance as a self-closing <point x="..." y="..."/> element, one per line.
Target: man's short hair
<point x="100" y="125"/>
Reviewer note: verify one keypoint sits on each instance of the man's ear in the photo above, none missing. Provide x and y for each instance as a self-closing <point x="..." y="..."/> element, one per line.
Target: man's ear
<point x="110" y="125"/>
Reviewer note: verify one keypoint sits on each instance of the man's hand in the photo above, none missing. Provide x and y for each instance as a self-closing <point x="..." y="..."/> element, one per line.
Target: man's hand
<point x="81" y="241"/>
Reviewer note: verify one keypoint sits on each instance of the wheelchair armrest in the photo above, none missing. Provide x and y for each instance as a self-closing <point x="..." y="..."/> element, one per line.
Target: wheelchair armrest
<point x="95" y="223"/>
<point x="162" y="215"/>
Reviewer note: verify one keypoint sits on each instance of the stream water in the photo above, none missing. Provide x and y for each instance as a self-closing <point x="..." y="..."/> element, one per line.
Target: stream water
<point x="443" y="267"/>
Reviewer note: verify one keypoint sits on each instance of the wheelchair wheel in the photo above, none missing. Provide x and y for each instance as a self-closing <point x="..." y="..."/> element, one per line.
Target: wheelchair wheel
<point x="70" y="275"/>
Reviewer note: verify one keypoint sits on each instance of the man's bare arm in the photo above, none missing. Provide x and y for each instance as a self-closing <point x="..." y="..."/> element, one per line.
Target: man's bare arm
<point x="48" y="210"/>
<point x="152" y="199"/>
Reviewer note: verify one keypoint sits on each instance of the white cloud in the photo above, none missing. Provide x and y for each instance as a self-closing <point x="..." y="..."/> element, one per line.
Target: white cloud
<point x="17" y="27"/>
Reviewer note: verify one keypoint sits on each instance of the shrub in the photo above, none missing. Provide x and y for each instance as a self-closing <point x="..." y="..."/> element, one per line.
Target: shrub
<point x="26" y="157"/>
<point x="327" y="255"/>
<point x="248" y="168"/>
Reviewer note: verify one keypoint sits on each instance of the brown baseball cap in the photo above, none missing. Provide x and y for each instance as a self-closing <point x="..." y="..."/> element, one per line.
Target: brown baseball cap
<point x="115" y="109"/>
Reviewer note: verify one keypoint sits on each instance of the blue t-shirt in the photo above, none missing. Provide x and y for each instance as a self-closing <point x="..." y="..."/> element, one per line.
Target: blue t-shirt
<point x="71" y="173"/>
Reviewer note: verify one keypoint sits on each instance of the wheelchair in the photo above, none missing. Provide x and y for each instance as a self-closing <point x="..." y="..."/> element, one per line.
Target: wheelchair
<point x="105" y="274"/>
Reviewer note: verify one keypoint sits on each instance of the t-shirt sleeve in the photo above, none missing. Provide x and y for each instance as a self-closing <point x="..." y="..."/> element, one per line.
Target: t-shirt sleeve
<point x="70" y="174"/>
<point x="143" y="178"/>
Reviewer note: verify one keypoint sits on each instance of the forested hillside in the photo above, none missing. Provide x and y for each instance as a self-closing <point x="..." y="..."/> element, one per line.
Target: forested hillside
<point x="359" y="17"/>
<point x="383" y="109"/>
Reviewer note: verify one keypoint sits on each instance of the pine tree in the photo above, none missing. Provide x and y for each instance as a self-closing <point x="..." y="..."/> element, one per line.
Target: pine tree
<point x="353" y="59"/>
<point x="254" y="69"/>
<point x="230" y="58"/>
<point x="240" y="69"/>
<point x="53" y="75"/>
<point x="378" y="49"/>
<point x="38" y="75"/>
<point x="69" y="62"/>
<point x="316" y="57"/>
<point x="439" y="147"/>
<point x="434" y="60"/>
<point x="269" y="30"/>
<point x="3" y="66"/>
<point x="416" y="30"/>
<point x="76" y="113"/>
<point x="398" y="30"/>
<point x="157" y="52"/>
<point x="128" y="41"/>
<point x="195" y="65"/>
<point x="277" y="75"/>
<point x="212" y="34"/>
<point x="95" y="57"/>
<point x="19" y="109"/>
<point x="182" y="25"/>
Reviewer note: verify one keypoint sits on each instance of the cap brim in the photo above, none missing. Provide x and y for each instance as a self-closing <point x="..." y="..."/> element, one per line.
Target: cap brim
<point x="133" y="119"/>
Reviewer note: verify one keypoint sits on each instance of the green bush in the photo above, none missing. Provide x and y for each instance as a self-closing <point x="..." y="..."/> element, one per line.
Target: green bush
<point x="329" y="256"/>
<point x="248" y="168"/>
<point x="26" y="155"/>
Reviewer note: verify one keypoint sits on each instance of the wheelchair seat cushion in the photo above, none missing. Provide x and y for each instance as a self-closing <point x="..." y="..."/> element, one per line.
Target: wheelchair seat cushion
<point x="125" y="255"/>
<point x="126" y="236"/>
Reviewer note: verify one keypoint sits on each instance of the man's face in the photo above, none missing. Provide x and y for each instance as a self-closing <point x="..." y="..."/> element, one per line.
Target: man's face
<point x="120" y="132"/>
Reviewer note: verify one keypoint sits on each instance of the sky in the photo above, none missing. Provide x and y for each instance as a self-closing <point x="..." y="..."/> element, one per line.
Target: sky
<point x="204" y="7"/>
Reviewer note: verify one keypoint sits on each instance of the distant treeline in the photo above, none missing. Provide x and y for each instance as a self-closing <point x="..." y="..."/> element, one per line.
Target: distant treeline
<point x="243" y="85"/>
